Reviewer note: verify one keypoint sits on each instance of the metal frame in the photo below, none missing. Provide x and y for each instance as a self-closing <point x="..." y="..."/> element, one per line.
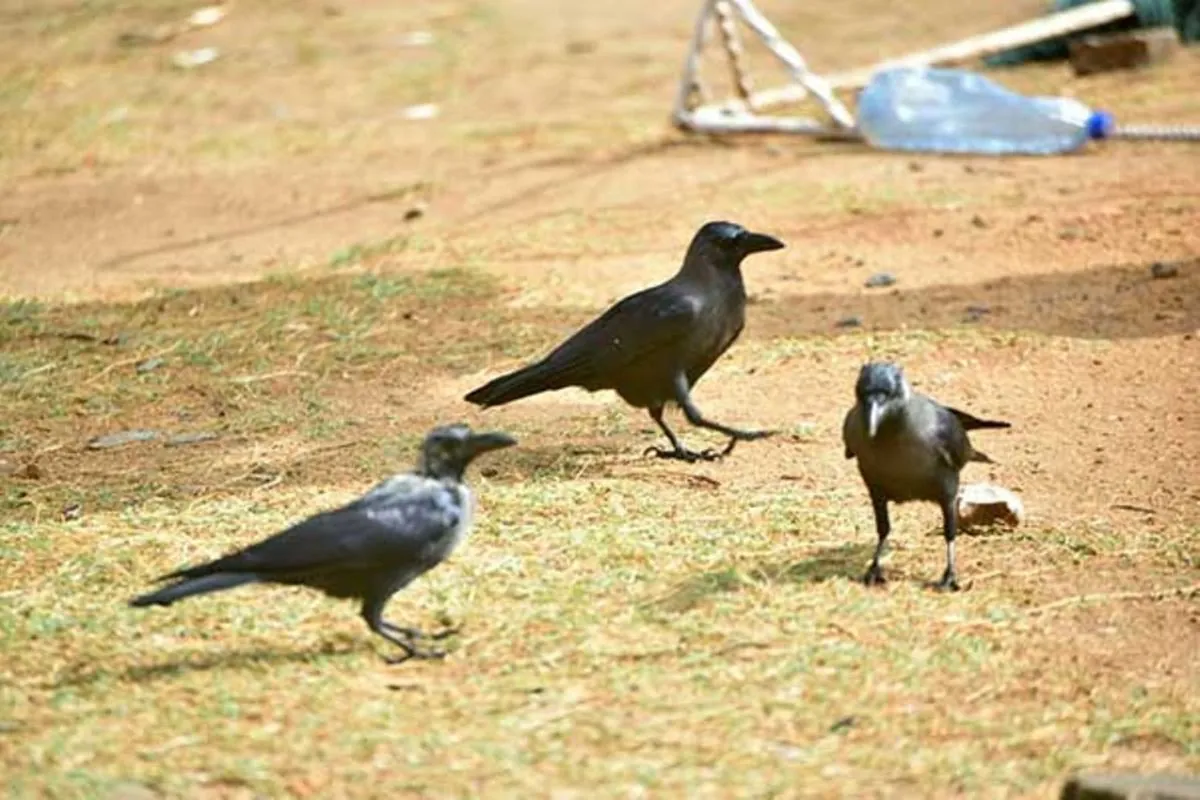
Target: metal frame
<point x="695" y="112"/>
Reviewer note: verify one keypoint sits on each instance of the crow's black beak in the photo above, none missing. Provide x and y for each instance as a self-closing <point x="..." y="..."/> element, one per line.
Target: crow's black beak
<point x="874" y="417"/>
<point x="483" y="442"/>
<point x="759" y="243"/>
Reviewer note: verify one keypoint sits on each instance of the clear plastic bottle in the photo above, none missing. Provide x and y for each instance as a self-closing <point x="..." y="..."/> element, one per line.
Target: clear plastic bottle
<point x="955" y="111"/>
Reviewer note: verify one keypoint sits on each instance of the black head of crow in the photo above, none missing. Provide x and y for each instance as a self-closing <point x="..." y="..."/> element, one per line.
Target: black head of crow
<point x="723" y="245"/>
<point x="448" y="450"/>
<point x="882" y="391"/>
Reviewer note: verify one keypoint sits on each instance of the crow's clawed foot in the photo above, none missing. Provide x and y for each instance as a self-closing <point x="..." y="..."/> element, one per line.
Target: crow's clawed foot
<point x="948" y="583"/>
<point x="683" y="454"/>
<point x="444" y="633"/>
<point x="874" y="576"/>
<point x="407" y="633"/>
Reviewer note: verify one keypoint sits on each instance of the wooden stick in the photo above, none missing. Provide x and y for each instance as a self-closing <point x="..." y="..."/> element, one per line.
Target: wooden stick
<point x="692" y="85"/>
<point x="736" y="116"/>
<point x="733" y="46"/>
<point x="806" y="79"/>
<point x="1048" y="27"/>
<point x="1038" y="30"/>
<point x="127" y="361"/>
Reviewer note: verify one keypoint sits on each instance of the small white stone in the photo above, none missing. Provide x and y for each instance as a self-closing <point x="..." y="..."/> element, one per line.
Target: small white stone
<point x="203" y="17"/>
<point x="423" y="111"/>
<point x="190" y="59"/>
<point x="416" y="39"/>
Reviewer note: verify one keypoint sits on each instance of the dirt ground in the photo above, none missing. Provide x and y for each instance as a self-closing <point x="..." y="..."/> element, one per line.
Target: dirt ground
<point x="254" y="223"/>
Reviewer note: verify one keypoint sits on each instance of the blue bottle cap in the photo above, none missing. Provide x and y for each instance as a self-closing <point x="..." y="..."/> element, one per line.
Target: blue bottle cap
<point x="1100" y="125"/>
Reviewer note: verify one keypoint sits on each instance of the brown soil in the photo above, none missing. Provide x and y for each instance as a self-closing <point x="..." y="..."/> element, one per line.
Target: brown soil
<point x="553" y="170"/>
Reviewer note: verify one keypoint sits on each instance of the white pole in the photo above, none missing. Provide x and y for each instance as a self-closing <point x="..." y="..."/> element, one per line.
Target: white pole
<point x="691" y="82"/>
<point x="985" y="44"/>
<point x="790" y="56"/>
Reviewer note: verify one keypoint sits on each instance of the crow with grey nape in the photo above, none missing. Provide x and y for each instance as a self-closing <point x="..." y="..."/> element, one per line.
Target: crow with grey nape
<point x="909" y="448"/>
<point x="652" y="347"/>
<point x="367" y="550"/>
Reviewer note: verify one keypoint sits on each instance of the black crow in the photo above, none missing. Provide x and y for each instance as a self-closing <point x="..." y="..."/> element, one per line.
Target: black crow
<point x="908" y="448"/>
<point x="652" y="347"/>
<point x="367" y="550"/>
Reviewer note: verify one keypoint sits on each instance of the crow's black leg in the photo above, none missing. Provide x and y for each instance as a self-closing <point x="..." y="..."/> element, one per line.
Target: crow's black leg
<point x="949" y="581"/>
<point x="677" y="451"/>
<point x="683" y="396"/>
<point x="372" y="612"/>
<point x="883" y="527"/>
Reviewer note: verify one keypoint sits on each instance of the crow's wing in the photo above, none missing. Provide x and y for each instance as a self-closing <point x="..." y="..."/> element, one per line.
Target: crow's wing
<point x="637" y="328"/>
<point x="950" y="437"/>
<point x="852" y="430"/>
<point x="350" y="538"/>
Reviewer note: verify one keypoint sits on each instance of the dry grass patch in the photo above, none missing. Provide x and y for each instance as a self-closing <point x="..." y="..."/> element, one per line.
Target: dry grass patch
<point x="628" y="625"/>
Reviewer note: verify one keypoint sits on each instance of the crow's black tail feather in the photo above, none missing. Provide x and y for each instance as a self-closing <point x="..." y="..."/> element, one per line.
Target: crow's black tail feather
<point x="531" y="380"/>
<point x="190" y="586"/>
<point x="971" y="422"/>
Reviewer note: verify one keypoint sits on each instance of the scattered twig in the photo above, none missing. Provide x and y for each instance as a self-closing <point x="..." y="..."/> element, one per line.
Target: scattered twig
<point x="258" y="470"/>
<point x="704" y="479"/>
<point x="1157" y="594"/>
<point x="173" y="744"/>
<point x="545" y="719"/>
<point x="979" y="694"/>
<point x="29" y="373"/>
<point x="646" y="655"/>
<point x="839" y="627"/>
<point x="325" y="448"/>
<point x="271" y="484"/>
<point x="245" y="379"/>
<point x="584" y="463"/>
<point x="1009" y="572"/>
<point x="733" y="648"/>
<point x="129" y="361"/>
<point x="1132" y="507"/>
<point x="1079" y="599"/>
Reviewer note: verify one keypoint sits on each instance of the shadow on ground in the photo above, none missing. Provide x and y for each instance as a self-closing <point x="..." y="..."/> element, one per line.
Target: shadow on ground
<point x="565" y="460"/>
<point x="257" y="657"/>
<point x="1112" y="302"/>
<point x="580" y="455"/>
<point x="843" y="561"/>
<point x="231" y="356"/>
